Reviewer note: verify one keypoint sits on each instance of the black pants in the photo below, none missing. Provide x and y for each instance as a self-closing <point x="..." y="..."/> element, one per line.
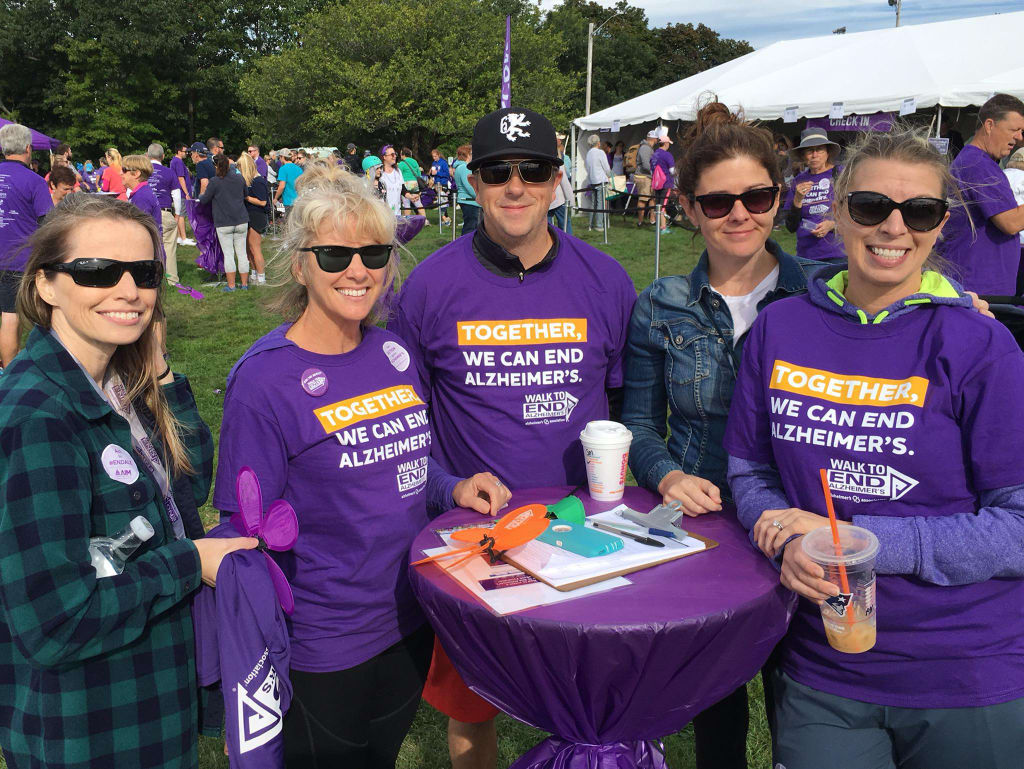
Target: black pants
<point x="357" y="718"/>
<point x="720" y="733"/>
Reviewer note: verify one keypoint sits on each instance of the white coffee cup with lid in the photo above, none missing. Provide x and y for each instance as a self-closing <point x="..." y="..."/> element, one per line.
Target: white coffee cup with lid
<point x="606" y="451"/>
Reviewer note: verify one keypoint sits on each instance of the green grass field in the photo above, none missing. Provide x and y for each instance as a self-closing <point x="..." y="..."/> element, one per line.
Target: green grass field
<point x="206" y="337"/>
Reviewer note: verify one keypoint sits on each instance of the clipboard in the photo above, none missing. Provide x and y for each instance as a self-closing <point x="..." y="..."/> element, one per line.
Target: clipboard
<point x="710" y="544"/>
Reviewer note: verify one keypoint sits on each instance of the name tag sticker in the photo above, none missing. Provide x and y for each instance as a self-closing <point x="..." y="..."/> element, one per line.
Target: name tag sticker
<point x="119" y="464"/>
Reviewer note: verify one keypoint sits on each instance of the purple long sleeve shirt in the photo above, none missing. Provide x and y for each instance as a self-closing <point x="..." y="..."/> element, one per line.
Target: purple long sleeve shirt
<point x="957" y="549"/>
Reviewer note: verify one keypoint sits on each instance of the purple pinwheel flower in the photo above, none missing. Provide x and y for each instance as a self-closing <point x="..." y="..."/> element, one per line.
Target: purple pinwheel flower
<point x="277" y="529"/>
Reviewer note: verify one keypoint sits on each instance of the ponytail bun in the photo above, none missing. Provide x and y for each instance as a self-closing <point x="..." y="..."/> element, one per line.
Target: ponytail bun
<point x="711" y="115"/>
<point x="719" y="134"/>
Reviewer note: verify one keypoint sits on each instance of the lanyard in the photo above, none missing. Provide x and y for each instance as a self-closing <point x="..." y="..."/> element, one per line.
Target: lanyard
<point x="114" y="393"/>
<point x="117" y="396"/>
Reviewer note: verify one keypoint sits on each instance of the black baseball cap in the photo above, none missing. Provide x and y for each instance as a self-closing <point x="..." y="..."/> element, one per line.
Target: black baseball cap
<point x="514" y="132"/>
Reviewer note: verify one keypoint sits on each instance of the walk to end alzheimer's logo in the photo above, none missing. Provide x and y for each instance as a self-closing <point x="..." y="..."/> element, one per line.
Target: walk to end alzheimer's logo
<point x="411" y="476"/>
<point x="866" y="481"/>
<point x="259" y="706"/>
<point x="545" y="408"/>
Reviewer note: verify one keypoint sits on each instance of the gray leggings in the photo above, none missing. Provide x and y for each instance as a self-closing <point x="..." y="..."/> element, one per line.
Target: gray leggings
<point x="232" y="243"/>
<point x="815" y="730"/>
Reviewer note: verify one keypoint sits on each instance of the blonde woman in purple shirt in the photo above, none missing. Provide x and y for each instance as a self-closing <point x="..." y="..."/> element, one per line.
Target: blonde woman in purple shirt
<point x="331" y="413"/>
<point x="884" y="376"/>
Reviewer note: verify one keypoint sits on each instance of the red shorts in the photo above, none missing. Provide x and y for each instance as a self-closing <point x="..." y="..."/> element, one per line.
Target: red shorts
<point x="447" y="692"/>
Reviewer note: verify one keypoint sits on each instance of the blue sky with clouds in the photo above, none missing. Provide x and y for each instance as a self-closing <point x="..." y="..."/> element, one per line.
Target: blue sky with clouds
<point x="763" y="22"/>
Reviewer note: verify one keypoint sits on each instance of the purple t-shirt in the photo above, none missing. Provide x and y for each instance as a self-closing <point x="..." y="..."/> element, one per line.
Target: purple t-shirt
<point x="662" y="158"/>
<point x="261" y="167"/>
<point x="179" y="169"/>
<point x="987" y="259"/>
<point x="162" y="182"/>
<point x="911" y="417"/>
<point x="817" y="207"/>
<point x="345" y="440"/>
<point x="142" y="198"/>
<point x="24" y="197"/>
<point x="517" y="368"/>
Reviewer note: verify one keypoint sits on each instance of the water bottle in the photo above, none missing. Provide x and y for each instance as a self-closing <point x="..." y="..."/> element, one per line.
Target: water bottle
<point x="110" y="553"/>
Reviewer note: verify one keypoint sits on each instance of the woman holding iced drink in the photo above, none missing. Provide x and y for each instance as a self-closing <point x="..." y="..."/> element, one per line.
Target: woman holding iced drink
<point x="884" y="376"/>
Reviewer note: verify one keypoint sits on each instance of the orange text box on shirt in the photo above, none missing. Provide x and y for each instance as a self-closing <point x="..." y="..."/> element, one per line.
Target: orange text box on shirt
<point x="522" y="331"/>
<point x="368" y="406"/>
<point x="851" y="390"/>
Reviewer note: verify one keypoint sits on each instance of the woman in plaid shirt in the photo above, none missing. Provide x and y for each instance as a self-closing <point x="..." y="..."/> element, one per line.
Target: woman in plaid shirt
<point x="94" y="431"/>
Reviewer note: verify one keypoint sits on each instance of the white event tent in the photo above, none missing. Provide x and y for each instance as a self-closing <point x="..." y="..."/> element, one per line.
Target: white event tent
<point x="955" y="63"/>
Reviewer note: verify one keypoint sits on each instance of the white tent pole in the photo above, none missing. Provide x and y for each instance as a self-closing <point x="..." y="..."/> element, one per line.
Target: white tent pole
<point x="455" y="211"/>
<point x="572" y="160"/>
<point x="657" y="239"/>
<point x="938" y="124"/>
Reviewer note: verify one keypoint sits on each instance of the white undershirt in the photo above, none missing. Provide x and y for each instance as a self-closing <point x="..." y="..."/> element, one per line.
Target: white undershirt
<point x="744" y="308"/>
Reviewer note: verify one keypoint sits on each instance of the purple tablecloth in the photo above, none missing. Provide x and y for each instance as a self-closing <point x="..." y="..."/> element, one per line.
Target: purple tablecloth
<point x="609" y="672"/>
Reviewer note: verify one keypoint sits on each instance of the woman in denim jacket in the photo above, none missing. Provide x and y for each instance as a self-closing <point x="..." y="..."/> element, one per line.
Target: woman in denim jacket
<point x="685" y="341"/>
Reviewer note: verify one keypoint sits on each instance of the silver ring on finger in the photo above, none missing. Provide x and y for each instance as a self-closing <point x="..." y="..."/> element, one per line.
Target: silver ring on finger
<point x="778" y="524"/>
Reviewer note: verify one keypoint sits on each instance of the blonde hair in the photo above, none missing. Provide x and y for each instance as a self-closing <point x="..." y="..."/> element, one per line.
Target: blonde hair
<point x="113" y="158"/>
<point x="903" y="144"/>
<point x="316" y="170"/>
<point x="139" y="163"/>
<point x="247" y="167"/>
<point x="50" y="245"/>
<point x="329" y="194"/>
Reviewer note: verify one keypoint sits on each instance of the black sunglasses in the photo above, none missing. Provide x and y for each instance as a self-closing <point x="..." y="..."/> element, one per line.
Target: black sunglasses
<point x="338" y="258"/>
<point x="105" y="273"/>
<point x="716" y="205"/>
<point x="920" y="214"/>
<point x="530" y="171"/>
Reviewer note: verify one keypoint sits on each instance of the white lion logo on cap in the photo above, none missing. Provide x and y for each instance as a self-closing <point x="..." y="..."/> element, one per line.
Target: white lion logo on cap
<point x="512" y="126"/>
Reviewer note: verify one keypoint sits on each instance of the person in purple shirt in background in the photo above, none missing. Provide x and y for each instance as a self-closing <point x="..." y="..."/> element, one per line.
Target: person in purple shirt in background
<point x="884" y="376"/>
<point x="136" y="171"/>
<point x="253" y="150"/>
<point x="808" y="203"/>
<point x="181" y="191"/>
<point x="24" y="201"/>
<point x="663" y="166"/>
<point x="981" y="238"/>
<point x="162" y="182"/>
<point x="331" y="414"/>
<point x="61" y="182"/>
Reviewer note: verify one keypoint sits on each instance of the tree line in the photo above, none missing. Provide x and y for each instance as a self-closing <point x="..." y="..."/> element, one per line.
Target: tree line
<point x="312" y="72"/>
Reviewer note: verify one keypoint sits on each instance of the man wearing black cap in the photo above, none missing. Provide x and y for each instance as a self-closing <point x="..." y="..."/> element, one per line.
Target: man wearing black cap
<point x="198" y="153"/>
<point x="352" y="161"/>
<point x="520" y="329"/>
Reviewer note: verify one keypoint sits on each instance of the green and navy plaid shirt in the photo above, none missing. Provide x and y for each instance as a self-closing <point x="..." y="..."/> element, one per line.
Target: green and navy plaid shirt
<point x="93" y="672"/>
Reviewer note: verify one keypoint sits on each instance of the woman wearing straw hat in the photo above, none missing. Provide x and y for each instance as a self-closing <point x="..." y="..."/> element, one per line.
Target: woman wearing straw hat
<point x="809" y="201"/>
<point x="883" y="379"/>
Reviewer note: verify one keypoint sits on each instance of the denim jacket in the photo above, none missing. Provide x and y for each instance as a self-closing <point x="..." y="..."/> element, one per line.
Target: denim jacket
<point x="677" y="361"/>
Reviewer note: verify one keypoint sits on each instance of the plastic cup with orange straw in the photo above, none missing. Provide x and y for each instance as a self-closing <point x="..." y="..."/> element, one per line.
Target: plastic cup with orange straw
<point x="849" y="618"/>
